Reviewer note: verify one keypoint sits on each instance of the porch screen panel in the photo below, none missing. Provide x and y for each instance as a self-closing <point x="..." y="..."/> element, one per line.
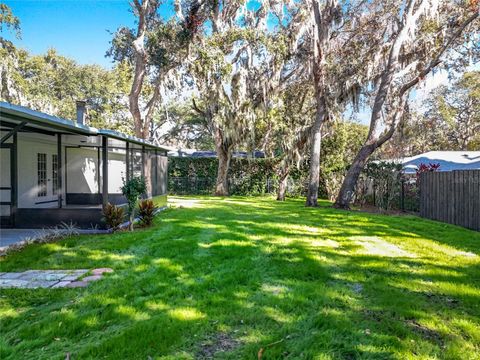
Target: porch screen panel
<point x="4" y="210"/>
<point x="117" y="170"/>
<point x="150" y="173"/>
<point x="136" y="162"/>
<point x="153" y="172"/>
<point x="5" y="183"/>
<point x="82" y="170"/>
<point x="162" y="169"/>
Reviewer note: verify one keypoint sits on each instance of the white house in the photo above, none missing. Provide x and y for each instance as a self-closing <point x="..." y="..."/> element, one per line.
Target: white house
<point x="56" y="170"/>
<point x="448" y="160"/>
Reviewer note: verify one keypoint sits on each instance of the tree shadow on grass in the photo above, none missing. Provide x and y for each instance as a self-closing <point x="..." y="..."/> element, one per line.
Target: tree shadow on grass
<point x="242" y="271"/>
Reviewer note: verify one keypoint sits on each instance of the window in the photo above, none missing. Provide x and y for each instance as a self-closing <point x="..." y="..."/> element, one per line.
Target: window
<point x="42" y="174"/>
<point x="54" y="174"/>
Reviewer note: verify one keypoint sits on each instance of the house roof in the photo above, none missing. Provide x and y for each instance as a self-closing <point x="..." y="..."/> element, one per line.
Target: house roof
<point x="448" y="160"/>
<point x="20" y="113"/>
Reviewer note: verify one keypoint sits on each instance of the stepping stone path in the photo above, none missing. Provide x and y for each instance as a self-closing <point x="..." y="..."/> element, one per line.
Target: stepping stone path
<point x="53" y="279"/>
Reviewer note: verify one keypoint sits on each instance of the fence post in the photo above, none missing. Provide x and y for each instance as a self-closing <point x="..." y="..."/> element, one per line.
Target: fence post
<point x="374" y="193"/>
<point x="402" y="199"/>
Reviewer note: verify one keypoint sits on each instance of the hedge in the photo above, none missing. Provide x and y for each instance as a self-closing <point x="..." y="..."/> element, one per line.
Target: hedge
<point x="191" y="176"/>
<point x="198" y="176"/>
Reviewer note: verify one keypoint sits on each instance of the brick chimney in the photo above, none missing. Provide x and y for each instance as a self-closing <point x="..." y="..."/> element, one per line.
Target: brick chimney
<point x="81" y="112"/>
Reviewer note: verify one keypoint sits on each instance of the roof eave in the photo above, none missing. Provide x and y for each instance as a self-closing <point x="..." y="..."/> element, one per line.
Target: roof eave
<point x="132" y="139"/>
<point x="42" y="119"/>
<point x="45" y="119"/>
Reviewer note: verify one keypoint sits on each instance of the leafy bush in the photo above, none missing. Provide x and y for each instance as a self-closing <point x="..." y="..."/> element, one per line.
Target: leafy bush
<point x="113" y="216"/>
<point x="132" y="190"/>
<point x="198" y="175"/>
<point x="247" y="177"/>
<point x="380" y="184"/>
<point x="146" y="212"/>
<point x="426" y="168"/>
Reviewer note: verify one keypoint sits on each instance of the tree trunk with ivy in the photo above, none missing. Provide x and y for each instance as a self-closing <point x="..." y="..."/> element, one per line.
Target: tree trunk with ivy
<point x="324" y="20"/>
<point x="347" y="191"/>
<point x="282" y="182"/>
<point x="315" y="147"/>
<point x="224" y="155"/>
<point x="221" y="187"/>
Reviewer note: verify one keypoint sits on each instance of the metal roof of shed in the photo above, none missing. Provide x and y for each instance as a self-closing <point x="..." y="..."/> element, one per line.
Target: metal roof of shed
<point x="45" y="120"/>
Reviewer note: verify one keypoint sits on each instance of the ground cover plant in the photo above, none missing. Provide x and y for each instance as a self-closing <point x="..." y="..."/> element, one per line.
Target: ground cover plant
<point x="243" y="278"/>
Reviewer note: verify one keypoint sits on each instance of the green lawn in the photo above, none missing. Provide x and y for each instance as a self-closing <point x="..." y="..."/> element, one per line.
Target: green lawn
<point x="223" y="278"/>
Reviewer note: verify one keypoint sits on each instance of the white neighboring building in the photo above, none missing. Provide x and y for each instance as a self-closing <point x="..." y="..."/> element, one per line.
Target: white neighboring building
<point x="448" y="160"/>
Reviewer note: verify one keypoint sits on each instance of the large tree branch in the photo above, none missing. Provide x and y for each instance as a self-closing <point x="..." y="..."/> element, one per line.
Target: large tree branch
<point x="406" y="26"/>
<point x="403" y="93"/>
<point x="395" y="119"/>
<point x="239" y="52"/>
<point x="197" y="109"/>
<point x="140" y="67"/>
<point x="437" y="59"/>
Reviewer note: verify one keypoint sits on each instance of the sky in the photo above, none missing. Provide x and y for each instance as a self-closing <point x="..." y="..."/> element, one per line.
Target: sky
<point x="76" y="28"/>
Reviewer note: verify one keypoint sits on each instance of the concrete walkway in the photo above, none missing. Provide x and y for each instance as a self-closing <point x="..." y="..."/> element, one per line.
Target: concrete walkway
<point x="12" y="236"/>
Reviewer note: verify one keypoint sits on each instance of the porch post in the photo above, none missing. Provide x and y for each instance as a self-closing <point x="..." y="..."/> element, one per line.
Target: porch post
<point x="14" y="177"/>
<point x="99" y="180"/>
<point x="59" y="170"/>
<point x="143" y="162"/>
<point x="104" y="171"/>
<point x="127" y="160"/>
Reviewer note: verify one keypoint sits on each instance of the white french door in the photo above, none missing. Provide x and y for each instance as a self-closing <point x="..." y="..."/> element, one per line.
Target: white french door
<point x="46" y="190"/>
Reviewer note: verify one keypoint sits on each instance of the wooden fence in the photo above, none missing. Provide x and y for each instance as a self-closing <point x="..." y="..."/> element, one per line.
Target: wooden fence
<point x="452" y="197"/>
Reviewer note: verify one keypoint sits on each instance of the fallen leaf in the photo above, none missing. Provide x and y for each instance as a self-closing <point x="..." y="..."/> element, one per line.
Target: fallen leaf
<point x="262" y="350"/>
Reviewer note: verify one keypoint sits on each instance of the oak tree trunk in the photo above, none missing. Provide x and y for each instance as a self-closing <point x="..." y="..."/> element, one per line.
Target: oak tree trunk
<point x="315" y="147"/>
<point x="323" y="25"/>
<point x="224" y="157"/>
<point x="282" y="183"/>
<point x="347" y="191"/>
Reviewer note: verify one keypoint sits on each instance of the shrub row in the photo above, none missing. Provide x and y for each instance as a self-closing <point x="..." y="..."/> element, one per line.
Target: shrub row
<point x="193" y="176"/>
